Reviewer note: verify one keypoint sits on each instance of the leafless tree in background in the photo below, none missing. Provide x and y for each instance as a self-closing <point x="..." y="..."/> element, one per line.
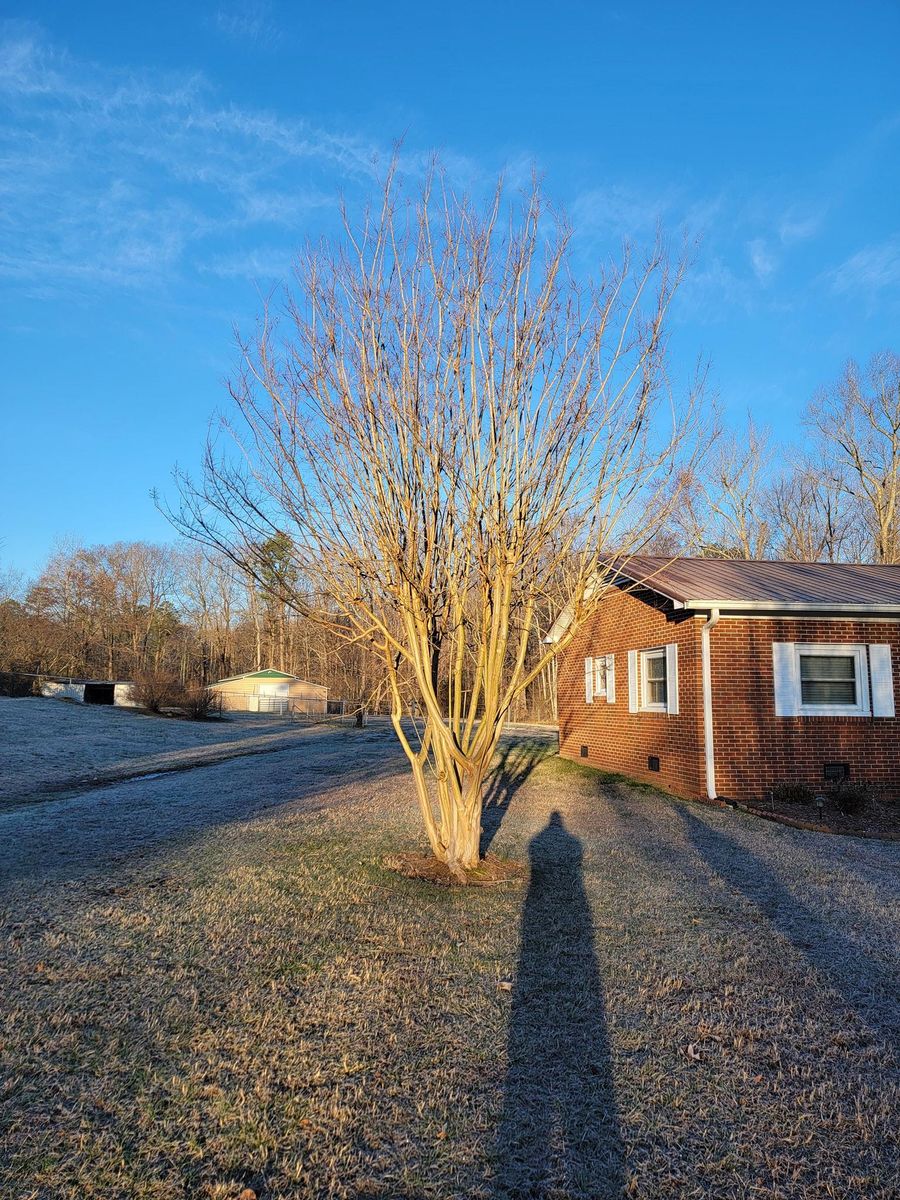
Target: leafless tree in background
<point x="449" y="428"/>
<point x="723" y="513"/>
<point x="812" y="518"/>
<point x="857" y="427"/>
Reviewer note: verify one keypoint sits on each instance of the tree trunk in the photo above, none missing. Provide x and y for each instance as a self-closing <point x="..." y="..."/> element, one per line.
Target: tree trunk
<point x="455" y="837"/>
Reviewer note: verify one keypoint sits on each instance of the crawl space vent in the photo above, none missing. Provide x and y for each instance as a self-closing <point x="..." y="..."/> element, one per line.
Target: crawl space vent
<point x="836" y="772"/>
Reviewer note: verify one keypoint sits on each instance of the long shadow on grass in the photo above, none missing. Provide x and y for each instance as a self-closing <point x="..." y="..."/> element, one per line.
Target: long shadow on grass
<point x="867" y="986"/>
<point x="559" y="1133"/>
<point x="516" y="762"/>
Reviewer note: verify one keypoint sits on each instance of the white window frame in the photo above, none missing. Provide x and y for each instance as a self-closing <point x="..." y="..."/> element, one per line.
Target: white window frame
<point x="644" y="657"/>
<point x="602" y="666"/>
<point x="861" y="675"/>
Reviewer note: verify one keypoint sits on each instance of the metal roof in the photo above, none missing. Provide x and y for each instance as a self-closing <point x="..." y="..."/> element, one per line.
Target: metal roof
<point x="268" y="674"/>
<point x="761" y="584"/>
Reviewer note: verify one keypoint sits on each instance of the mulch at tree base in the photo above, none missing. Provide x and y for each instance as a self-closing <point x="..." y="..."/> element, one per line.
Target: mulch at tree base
<point x="489" y="872"/>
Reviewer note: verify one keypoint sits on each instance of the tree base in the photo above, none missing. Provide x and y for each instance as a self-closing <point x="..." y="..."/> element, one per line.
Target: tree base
<point x="489" y="872"/>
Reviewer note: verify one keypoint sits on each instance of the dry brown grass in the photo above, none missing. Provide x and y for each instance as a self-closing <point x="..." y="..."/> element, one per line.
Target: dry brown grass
<point x="705" y="997"/>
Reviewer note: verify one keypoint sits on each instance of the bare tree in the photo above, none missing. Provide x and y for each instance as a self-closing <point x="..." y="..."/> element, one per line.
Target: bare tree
<point x="724" y="512"/>
<point x="449" y="425"/>
<point x="857" y="424"/>
<point x="812" y="518"/>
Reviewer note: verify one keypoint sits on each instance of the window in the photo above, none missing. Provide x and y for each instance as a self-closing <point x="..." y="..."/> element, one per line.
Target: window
<point x="833" y="680"/>
<point x="600" y="679"/>
<point x="817" y="680"/>
<point x="654" y="678"/>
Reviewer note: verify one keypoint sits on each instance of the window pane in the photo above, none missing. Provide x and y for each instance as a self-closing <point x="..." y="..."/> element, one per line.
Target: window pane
<point x="600" y="676"/>
<point x="656" y="667"/>
<point x="655" y="674"/>
<point x="828" y="678"/>
<point x="827" y="666"/>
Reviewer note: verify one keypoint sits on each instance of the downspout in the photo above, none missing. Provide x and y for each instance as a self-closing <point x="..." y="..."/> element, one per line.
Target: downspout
<point x="706" y="673"/>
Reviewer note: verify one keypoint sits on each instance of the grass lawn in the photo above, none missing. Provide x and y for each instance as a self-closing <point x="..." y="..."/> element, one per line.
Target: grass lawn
<point x="681" y="1002"/>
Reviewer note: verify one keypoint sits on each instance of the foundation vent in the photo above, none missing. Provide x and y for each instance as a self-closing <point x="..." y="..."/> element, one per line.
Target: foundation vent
<point x="836" y="772"/>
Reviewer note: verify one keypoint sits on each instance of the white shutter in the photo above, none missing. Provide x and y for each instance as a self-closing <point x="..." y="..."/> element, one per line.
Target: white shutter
<point x="589" y="681"/>
<point x="610" y="679"/>
<point x="786" y="667"/>
<point x="632" y="681"/>
<point x="672" y="679"/>
<point x="882" y="681"/>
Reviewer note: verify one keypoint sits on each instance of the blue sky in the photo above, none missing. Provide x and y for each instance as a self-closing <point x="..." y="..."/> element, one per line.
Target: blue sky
<point x="161" y="163"/>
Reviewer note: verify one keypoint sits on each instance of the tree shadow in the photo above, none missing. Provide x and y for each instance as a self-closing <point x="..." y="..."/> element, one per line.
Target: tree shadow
<point x="516" y="762"/>
<point x="559" y="1131"/>
<point x="868" y="987"/>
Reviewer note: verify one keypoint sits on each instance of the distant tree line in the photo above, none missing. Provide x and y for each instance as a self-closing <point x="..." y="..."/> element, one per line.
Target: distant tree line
<point x="115" y="612"/>
<point x="139" y="609"/>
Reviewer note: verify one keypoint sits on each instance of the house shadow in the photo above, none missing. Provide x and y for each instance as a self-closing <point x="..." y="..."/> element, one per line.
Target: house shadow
<point x="515" y="764"/>
<point x="867" y="986"/>
<point x="559" y="1130"/>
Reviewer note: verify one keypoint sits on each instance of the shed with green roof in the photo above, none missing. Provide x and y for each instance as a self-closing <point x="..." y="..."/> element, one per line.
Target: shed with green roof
<point x="272" y="691"/>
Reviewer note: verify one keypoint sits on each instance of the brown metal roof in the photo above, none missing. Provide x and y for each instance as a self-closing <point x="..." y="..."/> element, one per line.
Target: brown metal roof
<point x="705" y="582"/>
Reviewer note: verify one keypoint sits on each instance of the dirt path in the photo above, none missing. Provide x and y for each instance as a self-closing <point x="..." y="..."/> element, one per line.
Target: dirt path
<point x="154" y="765"/>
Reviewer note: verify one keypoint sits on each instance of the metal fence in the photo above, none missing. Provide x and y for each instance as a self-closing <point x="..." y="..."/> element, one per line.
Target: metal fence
<point x="295" y="708"/>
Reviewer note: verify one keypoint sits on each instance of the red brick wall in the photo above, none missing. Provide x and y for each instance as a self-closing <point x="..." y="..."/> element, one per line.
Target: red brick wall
<point x="755" y="749"/>
<point x="620" y="741"/>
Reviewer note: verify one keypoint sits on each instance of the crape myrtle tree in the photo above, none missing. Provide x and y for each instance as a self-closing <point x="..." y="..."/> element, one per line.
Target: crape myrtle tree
<point x="449" y="428"/>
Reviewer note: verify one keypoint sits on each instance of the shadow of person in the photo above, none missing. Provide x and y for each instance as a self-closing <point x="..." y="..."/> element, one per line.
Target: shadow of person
<point x="559" y="1132"/>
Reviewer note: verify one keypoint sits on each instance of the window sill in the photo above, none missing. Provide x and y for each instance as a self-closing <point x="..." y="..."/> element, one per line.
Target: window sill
<point x="831" y="710"/>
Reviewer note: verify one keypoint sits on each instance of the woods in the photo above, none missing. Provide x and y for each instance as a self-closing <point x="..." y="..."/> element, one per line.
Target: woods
<point x="832" y="496"/>
<point x="113" y="612"/>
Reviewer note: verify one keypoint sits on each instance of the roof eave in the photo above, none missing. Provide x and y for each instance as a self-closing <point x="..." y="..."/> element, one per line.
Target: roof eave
<point x="790" y="606"/>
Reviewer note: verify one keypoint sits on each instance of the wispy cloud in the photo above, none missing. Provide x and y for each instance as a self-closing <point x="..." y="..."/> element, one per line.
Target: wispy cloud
<point x="618" y="211"/>
<point x="114" y="177"/>
<point x="249" y="22"/>
<point x="794" y="226"/>
<point x="763" y="261"/>
<point x="263" y="265"/>
<point x="870" y="270"/>
<point x="127" y="178"/>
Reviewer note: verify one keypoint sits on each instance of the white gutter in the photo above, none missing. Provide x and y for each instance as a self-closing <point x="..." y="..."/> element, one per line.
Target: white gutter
<point x="706" y="673"/>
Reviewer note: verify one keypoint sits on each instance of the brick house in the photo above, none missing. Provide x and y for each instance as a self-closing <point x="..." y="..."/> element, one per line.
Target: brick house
<point x="718" y="679"/>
